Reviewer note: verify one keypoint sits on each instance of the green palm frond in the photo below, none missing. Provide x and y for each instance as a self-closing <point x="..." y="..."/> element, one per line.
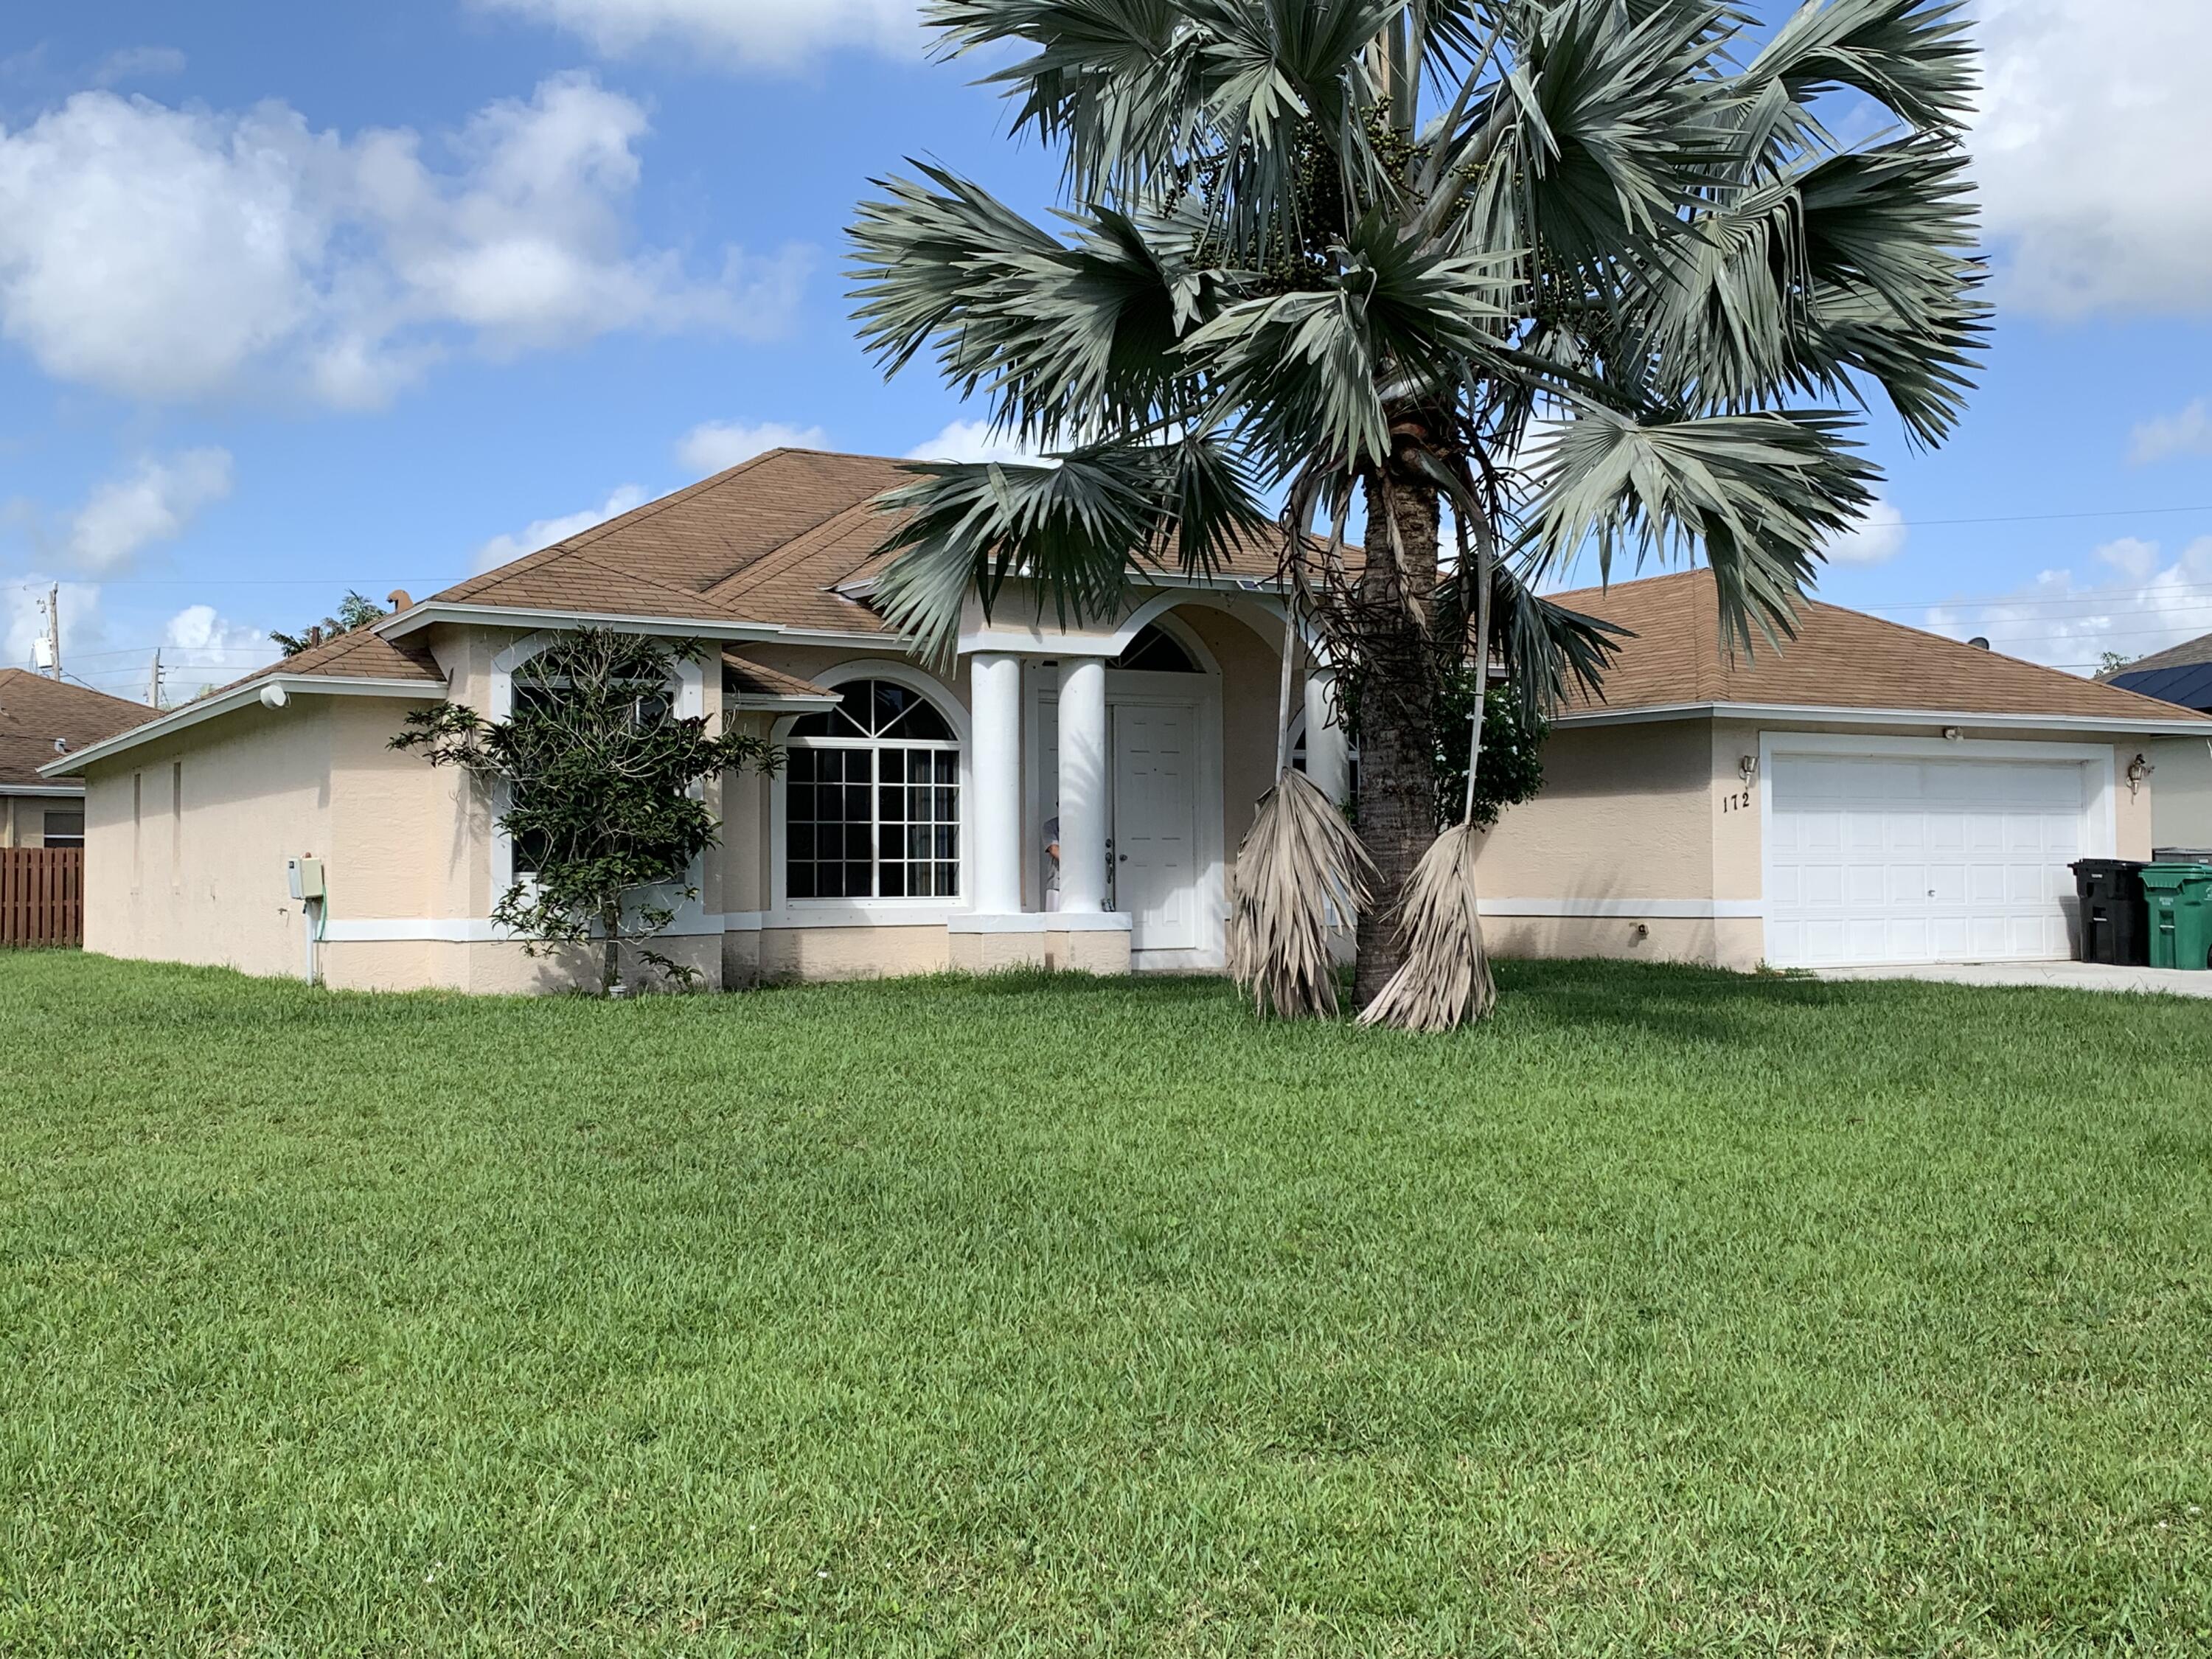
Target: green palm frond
<point x="1075" y="524"/>
<point x="1759" y="494"/>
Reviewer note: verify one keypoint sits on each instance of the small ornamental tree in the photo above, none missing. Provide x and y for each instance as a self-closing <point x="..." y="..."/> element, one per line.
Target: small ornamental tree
<point x="600" y="769"/>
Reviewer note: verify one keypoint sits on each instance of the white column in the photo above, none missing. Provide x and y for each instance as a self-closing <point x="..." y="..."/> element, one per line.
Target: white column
<point x="1328" y="757"/>
<point x="994" y="798"/>
<point x="1081" y="785"/>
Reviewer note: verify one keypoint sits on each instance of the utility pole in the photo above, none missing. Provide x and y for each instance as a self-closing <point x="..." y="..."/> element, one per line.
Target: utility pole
<point x="47" y="654"/>
<point x="154" y="681"/>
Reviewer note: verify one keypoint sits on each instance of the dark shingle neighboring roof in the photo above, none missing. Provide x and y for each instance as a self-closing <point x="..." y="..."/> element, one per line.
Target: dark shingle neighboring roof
<point x="2187" y="654"/>
<point x="2188" y="683"/>
<point x="1839" y="659"/>
<point x="36" y="710"/>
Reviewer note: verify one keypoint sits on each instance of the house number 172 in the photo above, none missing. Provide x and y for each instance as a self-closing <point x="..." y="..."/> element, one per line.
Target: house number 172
<point x="1736" y="800"/>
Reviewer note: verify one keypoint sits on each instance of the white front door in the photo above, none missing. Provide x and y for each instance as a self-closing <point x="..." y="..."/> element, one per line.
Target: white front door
<point x="1873" y="860"/>
<point x="1155" y="824"/>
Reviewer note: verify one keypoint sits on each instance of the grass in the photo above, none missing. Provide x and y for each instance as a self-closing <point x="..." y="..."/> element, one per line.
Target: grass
<point x="1673" y="1313"/>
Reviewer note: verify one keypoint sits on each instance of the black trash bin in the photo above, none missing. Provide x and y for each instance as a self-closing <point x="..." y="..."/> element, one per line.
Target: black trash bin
<point x="2115" y="921"/>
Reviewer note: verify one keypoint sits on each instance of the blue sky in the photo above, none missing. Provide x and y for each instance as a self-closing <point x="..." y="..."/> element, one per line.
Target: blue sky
<point x="295" y="298"/>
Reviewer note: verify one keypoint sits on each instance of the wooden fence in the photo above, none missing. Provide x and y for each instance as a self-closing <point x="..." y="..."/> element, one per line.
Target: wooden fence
<point x="41" y="895"/>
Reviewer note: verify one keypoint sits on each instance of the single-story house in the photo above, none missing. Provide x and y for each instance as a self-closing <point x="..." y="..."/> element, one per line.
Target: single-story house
<point x="1873" y="794"/>
<point x="42" y="721"/>
<point x="2181" y="813"/>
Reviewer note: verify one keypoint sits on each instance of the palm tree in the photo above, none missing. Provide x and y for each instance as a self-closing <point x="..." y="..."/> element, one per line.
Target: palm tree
<point x="1576" y="279"/>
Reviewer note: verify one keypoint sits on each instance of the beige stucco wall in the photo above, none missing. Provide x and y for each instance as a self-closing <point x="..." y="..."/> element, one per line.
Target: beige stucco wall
<point x="210" y="887"/>
<point x="1625" y="813"/>
<point x="853" y="952"/>
<point x="2181" y="793"/>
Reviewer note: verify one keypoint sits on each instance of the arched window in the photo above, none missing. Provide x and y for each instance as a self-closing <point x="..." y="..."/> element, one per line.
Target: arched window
<point x="871" y="799"/>
<point x="1156" y="651"/>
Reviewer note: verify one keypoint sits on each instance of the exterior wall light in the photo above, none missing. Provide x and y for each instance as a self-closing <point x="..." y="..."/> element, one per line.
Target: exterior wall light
<point x="2139" y="768"/>
<point x="1952" y="734"/>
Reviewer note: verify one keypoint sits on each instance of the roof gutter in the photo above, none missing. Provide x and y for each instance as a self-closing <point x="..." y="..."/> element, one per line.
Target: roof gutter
<point x="2146" y="727"/>
<point x="433" y="612"/>
<point x="238" y="696"/>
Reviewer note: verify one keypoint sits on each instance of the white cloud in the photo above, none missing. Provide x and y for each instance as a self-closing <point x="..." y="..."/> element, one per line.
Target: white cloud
<point x="543" y="533"/>
<point x="1878" y="538"/>
<point x="971" y="441"/>
<point x="2185" y="432"/>
<point x="764" y="33"/>
<point x="26" y="622"/>
<point x="2146" y="603"/>
<point x="167" y="253"/>
<point x="152" y="504"/>
<point x="716" y="445"/>
<point x="2089" y="147"/>
<point x="138" y="64"/>
<point x="201" y="647"/>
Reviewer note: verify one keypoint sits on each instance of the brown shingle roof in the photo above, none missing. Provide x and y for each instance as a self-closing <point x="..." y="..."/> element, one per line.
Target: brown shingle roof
<point x="35" y="709"/>
<point x="769" y="541"/>
<point x="744" y="675"/>
<point x="1839" y="659"/>
<point x="360" y="655"/>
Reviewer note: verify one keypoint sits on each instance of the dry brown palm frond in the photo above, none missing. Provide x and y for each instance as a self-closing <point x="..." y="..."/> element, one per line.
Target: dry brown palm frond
<point x="1445" y="979"/>
<point x="1300" y="868"/>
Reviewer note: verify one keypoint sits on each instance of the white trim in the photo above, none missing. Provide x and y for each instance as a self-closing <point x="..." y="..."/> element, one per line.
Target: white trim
<point x="1936" y="717"/>
<point x="1630" y="909"/>
<point x="239" y="696"/>
<point x="45" y="791"/>
<point x="859" y="912"/>
<point x="775" y="702"/>
<point x="703" y="627"/>
<point x="460" y="930"/>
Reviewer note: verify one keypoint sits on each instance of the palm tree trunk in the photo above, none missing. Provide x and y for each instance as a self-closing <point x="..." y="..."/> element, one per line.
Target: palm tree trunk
<point x="1397" y="699"/>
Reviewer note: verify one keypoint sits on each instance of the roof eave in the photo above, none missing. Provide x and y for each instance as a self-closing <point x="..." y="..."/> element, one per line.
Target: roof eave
<point x="430" y="612"/>
<point x="778" y="702"/>
<point x="238" y="696"/>
<point x="2136" y="726"/>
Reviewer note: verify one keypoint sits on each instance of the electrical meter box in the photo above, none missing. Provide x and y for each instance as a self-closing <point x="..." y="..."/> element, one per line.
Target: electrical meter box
<point x="305" y="878"/>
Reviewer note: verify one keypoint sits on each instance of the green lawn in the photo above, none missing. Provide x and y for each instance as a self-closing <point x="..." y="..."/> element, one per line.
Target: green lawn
<point x="1673" y="1313"/>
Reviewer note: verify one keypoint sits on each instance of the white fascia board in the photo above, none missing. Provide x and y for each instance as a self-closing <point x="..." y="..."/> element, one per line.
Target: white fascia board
<point x="47" y="791"/>
<point x="2150" y="726"/>
<point x="708" y="628"/>
<point x="767" y="703"/>
<point x="238" y="696"/>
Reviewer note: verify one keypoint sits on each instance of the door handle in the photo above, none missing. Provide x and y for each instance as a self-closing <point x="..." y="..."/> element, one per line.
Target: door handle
<point x="1125" y="858"/>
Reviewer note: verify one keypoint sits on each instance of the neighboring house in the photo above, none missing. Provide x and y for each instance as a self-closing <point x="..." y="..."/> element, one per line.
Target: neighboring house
<point x="1870" y="794"/>
<point x="43" y="719"/>
<point x="908" y="829"/>
<point x="2182" y="815"/>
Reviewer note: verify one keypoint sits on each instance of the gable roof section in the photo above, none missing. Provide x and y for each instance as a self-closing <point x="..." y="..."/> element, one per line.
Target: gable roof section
<point x="771" y="542"/>
<point x="35" y="709"/>
<point x="665" y="557"/>
<point x="362" y="655"/>
<point x="1840" y="659"/>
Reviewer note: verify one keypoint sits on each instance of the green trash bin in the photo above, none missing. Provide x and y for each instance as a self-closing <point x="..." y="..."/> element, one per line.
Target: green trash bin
<point x="2180" y="900"/>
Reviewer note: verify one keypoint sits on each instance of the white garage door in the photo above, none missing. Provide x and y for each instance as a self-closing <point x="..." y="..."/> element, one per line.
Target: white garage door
<point x="1873" y="861"/>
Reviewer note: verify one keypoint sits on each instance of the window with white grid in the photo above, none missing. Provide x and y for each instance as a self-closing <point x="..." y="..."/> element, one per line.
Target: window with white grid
<point x="871" y="799"/>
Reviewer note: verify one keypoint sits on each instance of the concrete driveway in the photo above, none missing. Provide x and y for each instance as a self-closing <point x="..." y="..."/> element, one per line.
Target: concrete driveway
<point x="2069" y="975"/>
